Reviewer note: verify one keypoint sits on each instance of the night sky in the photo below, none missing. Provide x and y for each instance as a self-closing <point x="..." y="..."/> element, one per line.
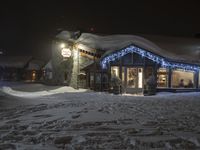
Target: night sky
<point x="28" y="28"/>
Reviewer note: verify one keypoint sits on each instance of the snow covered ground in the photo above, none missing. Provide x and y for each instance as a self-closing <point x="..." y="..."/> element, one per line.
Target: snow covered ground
<point x="34" y="116"/>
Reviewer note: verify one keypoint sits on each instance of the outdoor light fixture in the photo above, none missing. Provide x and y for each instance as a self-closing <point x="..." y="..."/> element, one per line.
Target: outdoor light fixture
<point x="158" y="59"/>
<point x="62" y="45"/>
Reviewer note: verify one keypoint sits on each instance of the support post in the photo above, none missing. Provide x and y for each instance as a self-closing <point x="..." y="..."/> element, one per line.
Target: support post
<point x="101" y="86"/>
<point x="78" y="69"/>
<point x="94" y="84"/>
<point x="169" y="78"/>
<point x="196" y="79"/>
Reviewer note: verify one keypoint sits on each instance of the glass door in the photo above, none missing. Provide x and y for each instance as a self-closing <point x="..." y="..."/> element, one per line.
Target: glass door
<point x="131" y="77"/>
<point x="134" y="79"/>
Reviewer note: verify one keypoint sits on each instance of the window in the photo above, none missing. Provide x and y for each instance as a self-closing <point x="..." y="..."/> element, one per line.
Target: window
<point x="162" y="77"/>
<point x="131" y="77"/>
<point x="91" y="79"/>
<point x="123" y="75"/>
<point x="114" y="71"/>
<point x="98" y="78"/>
<point x="33" y="75"/>
<point x="199" y="79"/>
<point x="182" y="79"/>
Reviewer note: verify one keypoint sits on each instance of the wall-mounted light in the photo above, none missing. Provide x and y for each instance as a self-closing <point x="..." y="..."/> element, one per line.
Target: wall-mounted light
<point x="62" y="45"/>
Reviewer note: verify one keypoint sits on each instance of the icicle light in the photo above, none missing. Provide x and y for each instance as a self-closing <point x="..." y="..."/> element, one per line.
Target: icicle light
<point x="158" y="59"/>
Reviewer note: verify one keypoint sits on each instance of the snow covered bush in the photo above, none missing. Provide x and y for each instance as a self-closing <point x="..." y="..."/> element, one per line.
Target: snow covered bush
<point x="151" y="85"/>
<point x="116" y="84"/>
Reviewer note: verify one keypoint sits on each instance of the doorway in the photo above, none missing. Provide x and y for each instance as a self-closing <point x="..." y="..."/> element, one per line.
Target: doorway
<point x="133" y="79"/>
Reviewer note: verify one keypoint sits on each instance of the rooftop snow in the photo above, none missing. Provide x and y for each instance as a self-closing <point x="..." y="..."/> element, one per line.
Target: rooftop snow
<point x="173" y="48"/>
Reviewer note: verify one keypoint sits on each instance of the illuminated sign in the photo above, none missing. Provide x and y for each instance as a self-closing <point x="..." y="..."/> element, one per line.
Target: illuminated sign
<point x="66" y="52"/>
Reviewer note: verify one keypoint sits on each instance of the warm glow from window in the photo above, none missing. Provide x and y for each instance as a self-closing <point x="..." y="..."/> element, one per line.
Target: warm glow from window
<point x="162" y="77"/>
<point x="115" y="71"/>
<point x="182" y="79"/>
<point x="140" y="77"/>
<point x="123" y="75"/>
<point x="132" y="77"/>
<point x="33" y="75"/>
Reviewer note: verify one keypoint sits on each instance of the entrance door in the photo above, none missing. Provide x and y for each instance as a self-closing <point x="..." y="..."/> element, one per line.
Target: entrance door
<point x="134" y="79"/>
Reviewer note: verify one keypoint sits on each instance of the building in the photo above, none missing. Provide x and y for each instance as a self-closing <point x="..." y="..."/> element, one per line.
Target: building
<point x="34" y="71"/>
<point x="92" y="61"/>
<point x="20" y="68"/>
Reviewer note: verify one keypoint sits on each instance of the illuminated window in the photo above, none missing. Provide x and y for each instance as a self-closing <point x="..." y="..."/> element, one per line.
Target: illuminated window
<point x="182" y="79"/>
<point x="140" y="77"/>
<point x="132" y="77"/>
<point x="114" y="71"/>
<point x="33" y="76"/>
<point x="123" y="75"/>
<point x="162" y="77"/>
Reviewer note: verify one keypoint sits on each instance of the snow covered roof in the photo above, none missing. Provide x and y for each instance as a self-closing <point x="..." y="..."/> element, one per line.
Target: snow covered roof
<point x="48" y="66"/>
<point x="14" y="61"/>
<point x="35" y="64"/>
<point x="173" y="48"/>
<point x="178" y="49"/>
<point x="184" y="48"/>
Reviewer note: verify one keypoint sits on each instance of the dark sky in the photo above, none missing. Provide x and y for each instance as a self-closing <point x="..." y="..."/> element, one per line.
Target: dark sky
<point x="27" y="28"/>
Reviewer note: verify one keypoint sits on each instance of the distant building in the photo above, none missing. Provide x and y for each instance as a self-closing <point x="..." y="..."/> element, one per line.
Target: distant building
<point x="18" y="68"/>
<point x="34" y="72"/>
<point x="91" y="61"/>
<point x="47" y="71"/>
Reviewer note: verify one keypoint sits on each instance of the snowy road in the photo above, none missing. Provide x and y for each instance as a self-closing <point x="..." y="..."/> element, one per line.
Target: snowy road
<point x="87" y="120"/>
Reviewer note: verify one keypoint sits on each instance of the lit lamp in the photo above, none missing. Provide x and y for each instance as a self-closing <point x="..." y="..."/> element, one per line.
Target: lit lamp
<point x="62" y="45"/>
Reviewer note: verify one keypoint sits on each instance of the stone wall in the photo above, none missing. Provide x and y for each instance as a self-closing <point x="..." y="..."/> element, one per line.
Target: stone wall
<point x="61" y="67"/>
<point x="69" y="67"/>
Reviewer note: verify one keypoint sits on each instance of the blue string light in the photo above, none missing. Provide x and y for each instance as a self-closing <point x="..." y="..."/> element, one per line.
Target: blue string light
<point x="158" y="59"/>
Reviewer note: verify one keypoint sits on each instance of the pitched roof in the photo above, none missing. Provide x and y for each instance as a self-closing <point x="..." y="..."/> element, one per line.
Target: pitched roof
<point x="173" y="48"/>
<point x="35" y="64"/>
<point x="14" y="61"/>
<point x="177" y="49"/>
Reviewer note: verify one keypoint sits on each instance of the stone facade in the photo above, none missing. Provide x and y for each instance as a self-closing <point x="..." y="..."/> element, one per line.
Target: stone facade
<point x="66" y="70"/>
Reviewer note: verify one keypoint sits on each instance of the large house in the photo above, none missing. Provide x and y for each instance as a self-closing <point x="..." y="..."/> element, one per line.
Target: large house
<point x="91" y="61"/>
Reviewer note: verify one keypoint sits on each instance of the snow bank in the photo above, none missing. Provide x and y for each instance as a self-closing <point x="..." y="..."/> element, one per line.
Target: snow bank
<point x="74" y="119"/>
<point x="10" y="91"/>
